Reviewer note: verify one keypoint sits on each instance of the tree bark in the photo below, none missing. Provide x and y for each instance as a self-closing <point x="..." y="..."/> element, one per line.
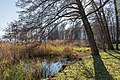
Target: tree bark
<point x="102" y="30"/>
<point x="117" y="25"/>
<point x="108" y="39"/>
<point x="104" y="27"/>
<point x="87" y="28"/>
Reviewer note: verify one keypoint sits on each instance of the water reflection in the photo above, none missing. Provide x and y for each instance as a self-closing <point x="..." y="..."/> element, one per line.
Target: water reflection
<point x="48" y="66"/>
<point x="53" y="66"/>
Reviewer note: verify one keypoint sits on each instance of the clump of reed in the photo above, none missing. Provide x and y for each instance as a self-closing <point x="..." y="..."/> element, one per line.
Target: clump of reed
<point x="15" y="51"/>
<point x="11" y="51"/>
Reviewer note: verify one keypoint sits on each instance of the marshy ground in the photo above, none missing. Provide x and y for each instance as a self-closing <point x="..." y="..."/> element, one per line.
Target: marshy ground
<point x="33" y="61"/>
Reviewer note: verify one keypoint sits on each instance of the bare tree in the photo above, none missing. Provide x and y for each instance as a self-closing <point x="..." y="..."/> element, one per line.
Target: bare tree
<point x="104" y="25"/>
<point x="117" y="24"/>
<point x="56" y="12"/>
<point x="40" y="17"/>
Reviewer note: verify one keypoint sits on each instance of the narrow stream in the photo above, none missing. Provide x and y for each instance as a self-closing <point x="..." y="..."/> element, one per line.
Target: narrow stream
<point x="53" y="66"/>
<point x="50" y="66"/>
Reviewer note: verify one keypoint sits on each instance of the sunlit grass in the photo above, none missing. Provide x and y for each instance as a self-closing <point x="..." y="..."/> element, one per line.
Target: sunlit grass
<point x="84" y="70"/>
<point x="82" y="49"/>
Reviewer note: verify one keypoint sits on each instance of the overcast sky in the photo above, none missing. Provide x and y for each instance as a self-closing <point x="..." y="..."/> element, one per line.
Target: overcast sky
<point x="8" y="13"/>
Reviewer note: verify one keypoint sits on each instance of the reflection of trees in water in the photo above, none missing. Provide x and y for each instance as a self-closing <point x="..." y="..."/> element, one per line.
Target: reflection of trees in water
<point x="52" y="66"/>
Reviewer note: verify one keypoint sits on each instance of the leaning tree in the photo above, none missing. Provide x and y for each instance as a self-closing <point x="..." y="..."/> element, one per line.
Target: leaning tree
<point x="43" y="14"/>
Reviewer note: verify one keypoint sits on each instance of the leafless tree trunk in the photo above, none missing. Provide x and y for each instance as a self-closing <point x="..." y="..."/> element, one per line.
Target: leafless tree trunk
<point x="104" y="27"/>
<point x="87" y="28"/>
<point x="108" y="39"/>
<point x="117" y="24"/>
<point x="100" y="23"/>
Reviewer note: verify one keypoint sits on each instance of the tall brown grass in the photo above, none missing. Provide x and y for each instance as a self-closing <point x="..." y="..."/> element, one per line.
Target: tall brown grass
<point x="12" y="51"/>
